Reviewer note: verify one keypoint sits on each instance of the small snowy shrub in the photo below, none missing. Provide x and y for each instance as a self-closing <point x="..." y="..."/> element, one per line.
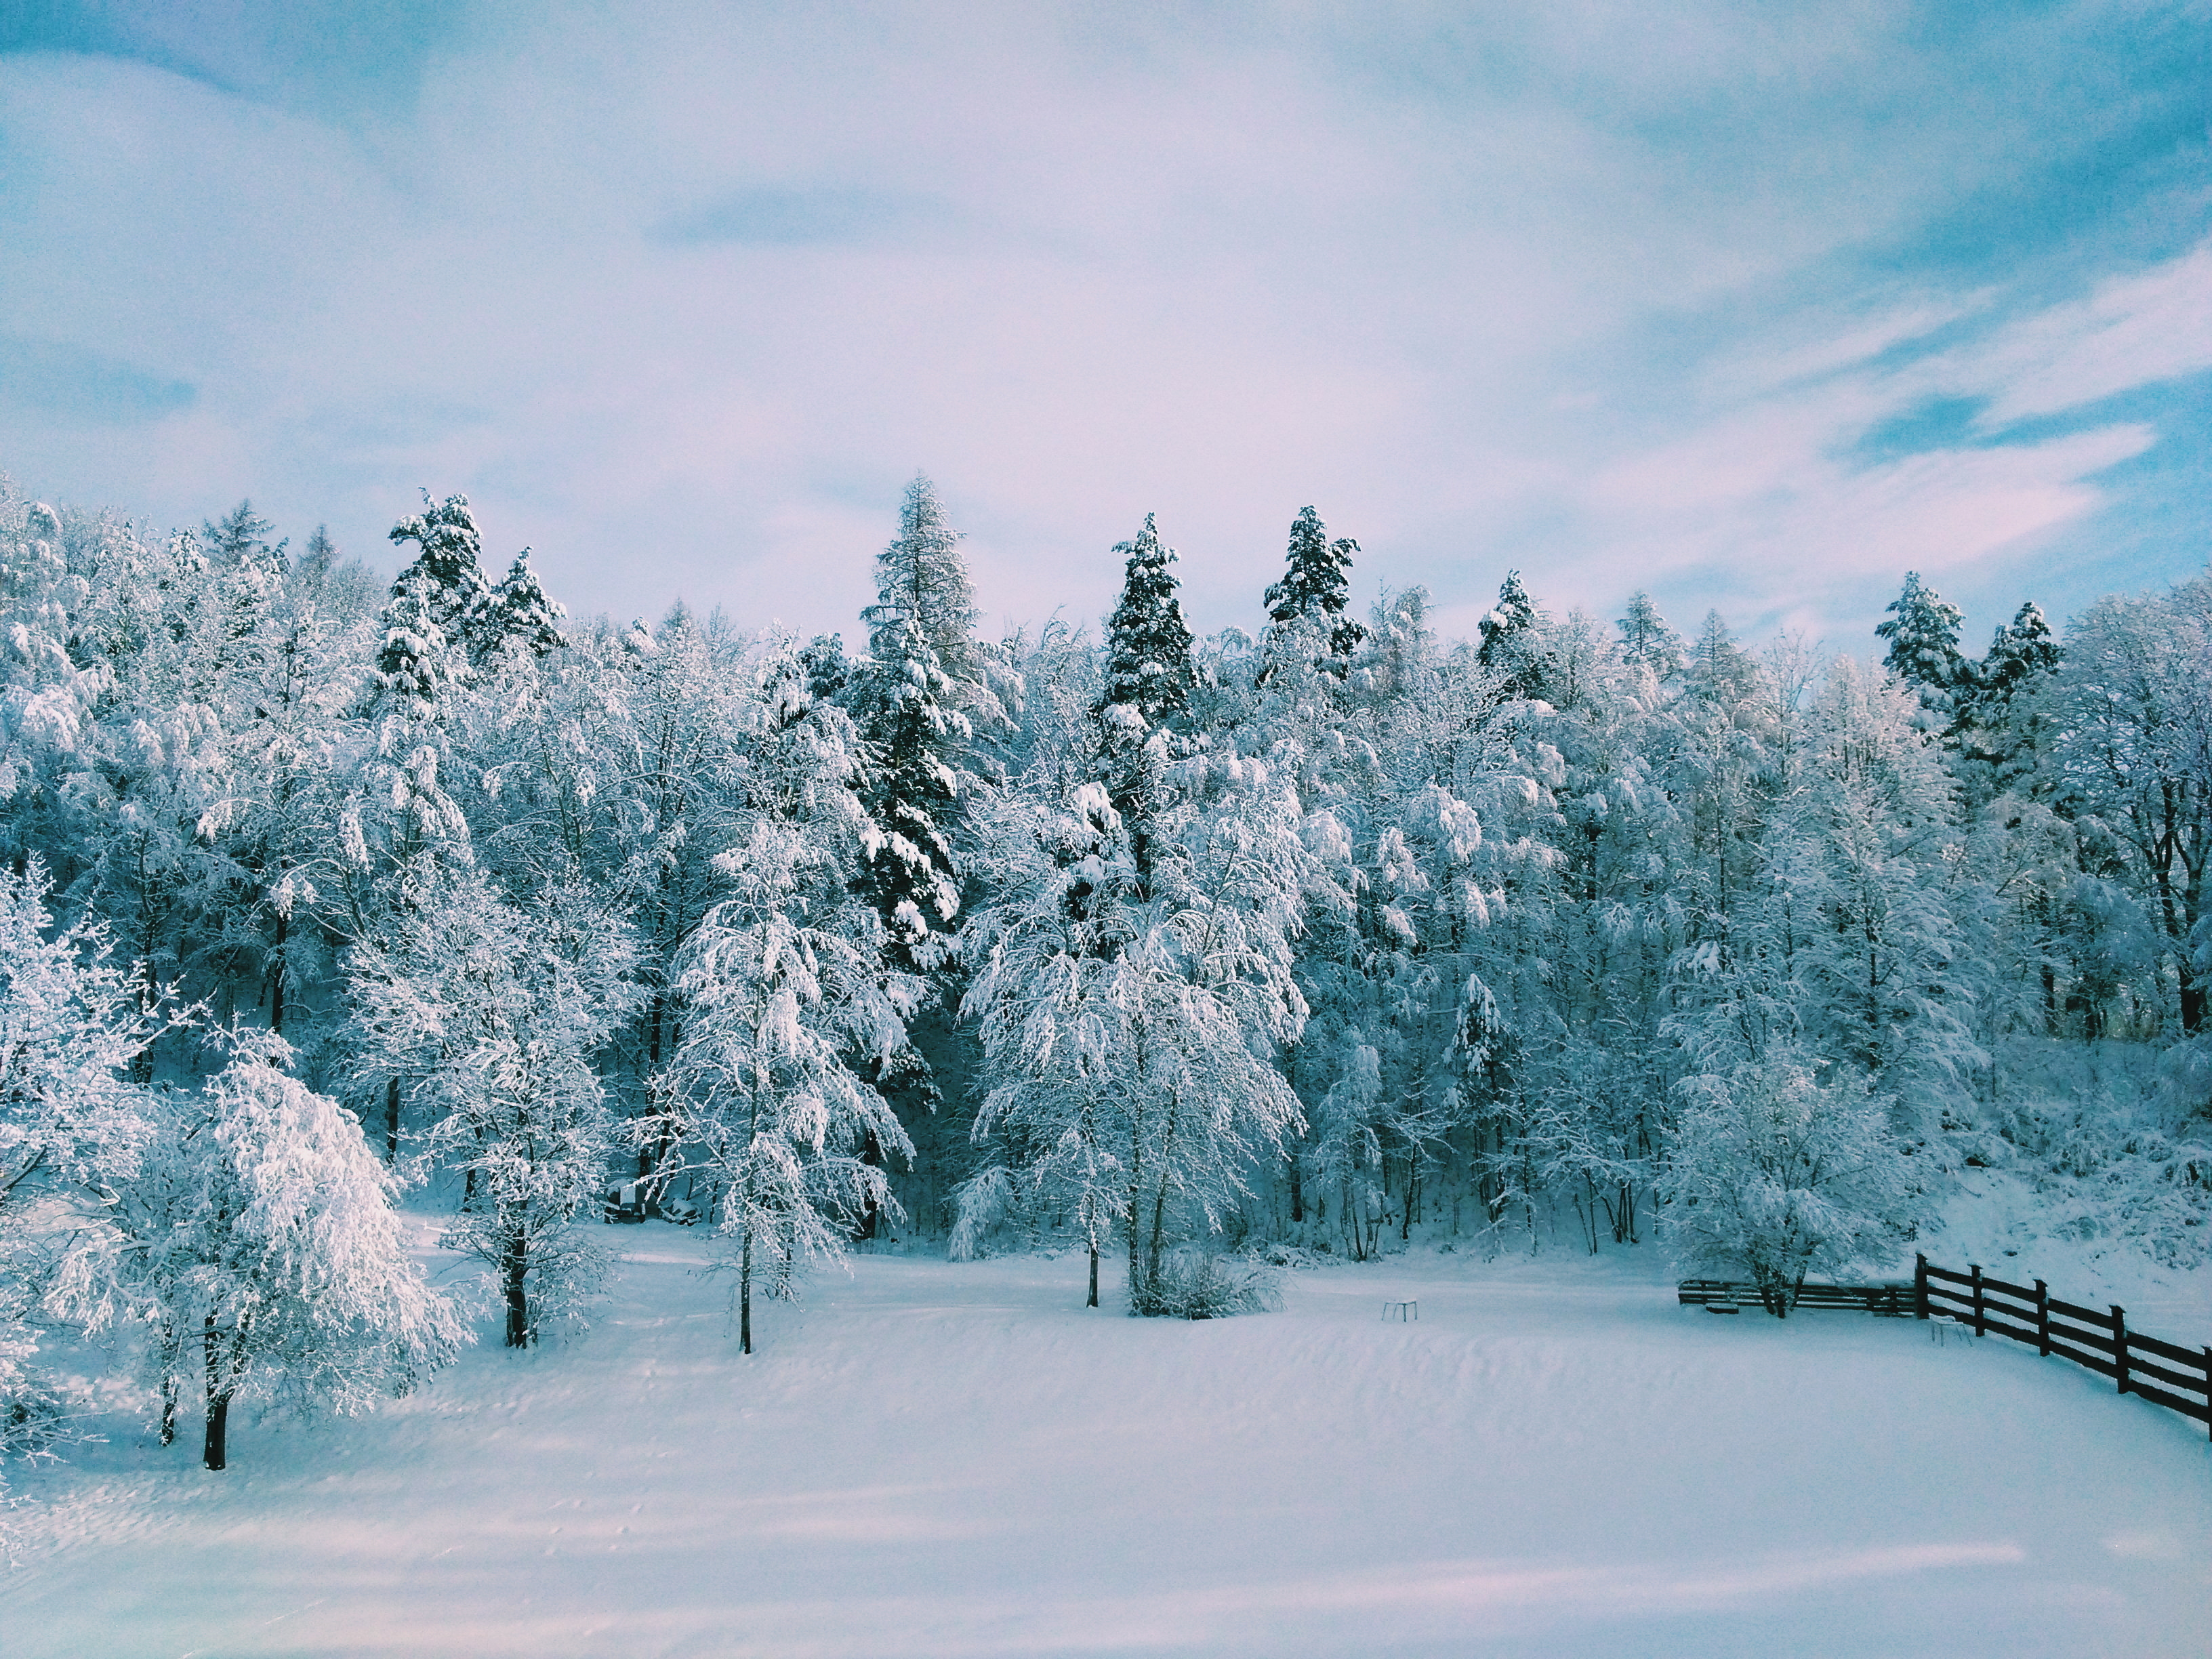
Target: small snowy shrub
<point x="986" y="1214"/>
<point x="1779" y="1175"/>
<point x="1191" y="1284"/>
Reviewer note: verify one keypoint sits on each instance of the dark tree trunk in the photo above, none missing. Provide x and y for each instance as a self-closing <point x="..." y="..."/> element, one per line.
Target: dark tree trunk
<point x="218" y="1397"/>
<point x="1298" y="1189"/>
<point x="392" y="1119"/>
<point x="277" y="983"/>
<point x="171" y="1385"/>
<point x="746" y="1296"/>
<point x="1093" y="1302"/>
<point x="515" y="1268"/>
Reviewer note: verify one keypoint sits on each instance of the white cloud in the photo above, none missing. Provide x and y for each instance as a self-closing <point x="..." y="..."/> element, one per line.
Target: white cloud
<point x="1568" y="288"/>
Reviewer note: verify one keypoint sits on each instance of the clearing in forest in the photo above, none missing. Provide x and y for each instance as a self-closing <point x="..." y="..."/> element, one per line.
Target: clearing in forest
<point x="939" y="1459"/>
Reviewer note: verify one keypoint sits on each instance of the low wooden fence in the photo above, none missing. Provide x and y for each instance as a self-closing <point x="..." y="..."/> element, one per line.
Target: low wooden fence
<point x="2176" y="1377"/>
<point x="2166" y="1373"/>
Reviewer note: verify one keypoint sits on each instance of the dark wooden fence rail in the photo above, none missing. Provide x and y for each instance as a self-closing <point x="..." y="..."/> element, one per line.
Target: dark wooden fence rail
<point x="2174" y="1377"/>
<point x="2166" y="1373"/>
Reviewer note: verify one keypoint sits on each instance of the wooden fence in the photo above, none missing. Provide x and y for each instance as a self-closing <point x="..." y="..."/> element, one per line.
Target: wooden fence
<point x="2164" y="1372"/>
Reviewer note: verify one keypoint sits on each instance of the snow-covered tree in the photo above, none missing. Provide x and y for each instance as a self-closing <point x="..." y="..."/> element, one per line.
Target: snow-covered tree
<point x="2133" y="757"/>
<point x="788" y="1014"/>
<point x="448" y="567"/>
<point x="522" y="615"/>
<point x="1314" y="592"/>
<point x="260" y="1246"/>
<point x="72" y="1129"/>
<point x="1131" y="1028"/>
<point x="1510" y="648"/>
<point x="487" y="1016"/>
<point x="1923" y="631"/>
<point x="926" y="692"/>
<point x="1999" y="724"/>
<point x="1781" y="1174"/>
<point x="1647" y="641"/>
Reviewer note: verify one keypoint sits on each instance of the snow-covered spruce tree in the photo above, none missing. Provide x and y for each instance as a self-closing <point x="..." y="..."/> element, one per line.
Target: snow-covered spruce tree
<point x="489" y="1015"/>
<point x="522" y="615"/>
<point x="1999" y="724"/>
<point x="455" y="594"/>
<point x="788" y="1009"/>
<point x="1923" y="631"/>
<point x="1146" y="696"/>
<point x="1510" y="648"/>
<point x="922" y="699"/>
<point x="1780" y="1173"/>
<point x="1314" y="591"/>
<point x="260" y="1246"/>
<point x="72" y="1130"/>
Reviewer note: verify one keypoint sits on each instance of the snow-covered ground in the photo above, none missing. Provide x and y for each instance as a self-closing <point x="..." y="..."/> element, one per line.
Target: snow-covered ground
<point x="940" y="1459"/>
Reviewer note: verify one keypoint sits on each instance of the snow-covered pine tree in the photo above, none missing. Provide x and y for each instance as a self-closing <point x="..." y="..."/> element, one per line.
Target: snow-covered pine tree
<point x="403" y="806"/>
<point x="1923" y="631"/>
<point x="522" y="615"/>
<point x="1148" y="663"/>
<point x="1997" y="726"/>
<point x="919" y="699"/>
<point x="789" y="1011"/>
<point x="455" y="592"/>
<point x="242" y="538"/>
<point x="1149" y="677"/>
<point x="1314" y="591"/>
<point x="261" y="1246"/>
<point x="1510" y="648"/>
<point x="2131" y="703"/>
<point x="1131" y="1032"/>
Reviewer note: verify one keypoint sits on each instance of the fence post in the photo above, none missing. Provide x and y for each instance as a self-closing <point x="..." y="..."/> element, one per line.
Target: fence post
<point x="1919" y="1285"/>
<point x="2042" y="1319"/>
<point x="2120" y="1346"/>
<point x="1976" y="1273"/>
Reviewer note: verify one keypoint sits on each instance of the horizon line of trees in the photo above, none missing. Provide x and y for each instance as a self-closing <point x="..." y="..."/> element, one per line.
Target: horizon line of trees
<point x="1307" y="938"/>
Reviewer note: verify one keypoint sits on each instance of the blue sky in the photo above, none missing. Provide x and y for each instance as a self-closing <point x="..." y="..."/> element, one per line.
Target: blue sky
<point x="1753" y="307"/>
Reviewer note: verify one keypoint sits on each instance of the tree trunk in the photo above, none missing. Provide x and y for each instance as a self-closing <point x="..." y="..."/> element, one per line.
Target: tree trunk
<point x="1093" y="1302"/>
<point x="218" y="1397"/>
<point x="746" y="1296"/>
<point x="392" y="1119"/>
<point x="514" y="1267"/>
<point x="1297" y="1187"/>
<point x="171" y="1384"/>
<point x="277" y="983"/>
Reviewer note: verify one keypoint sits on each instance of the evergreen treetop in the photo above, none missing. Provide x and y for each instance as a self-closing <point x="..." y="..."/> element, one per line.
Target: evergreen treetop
<point x="450" y="563"/>
<point x="1923" y="631"/>
<point x="1315" y="585"/>
<point x="1148" y="665"/>
<point x="921" y="579"/>
<point x="522" y="613"/>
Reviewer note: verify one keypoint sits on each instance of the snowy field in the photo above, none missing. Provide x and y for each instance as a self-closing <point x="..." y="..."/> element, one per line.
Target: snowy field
<point x="939" y="1459"/>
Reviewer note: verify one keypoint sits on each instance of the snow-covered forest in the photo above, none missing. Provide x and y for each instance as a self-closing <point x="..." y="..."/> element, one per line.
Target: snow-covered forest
<point x="1589" y="934"/>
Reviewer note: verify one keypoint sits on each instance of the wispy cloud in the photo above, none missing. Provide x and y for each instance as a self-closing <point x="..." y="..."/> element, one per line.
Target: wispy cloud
<point x="51" y="380"/>
<point x="1620" y="296"/>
